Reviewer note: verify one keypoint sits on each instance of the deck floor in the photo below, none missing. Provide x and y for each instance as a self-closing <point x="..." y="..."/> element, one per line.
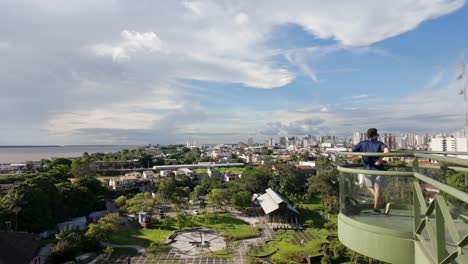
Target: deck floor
<point x="400" y="220"/>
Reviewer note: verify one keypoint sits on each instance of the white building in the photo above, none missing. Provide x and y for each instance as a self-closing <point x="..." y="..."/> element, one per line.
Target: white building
<point x="133" y="174"/>
<point x="411" y="140"/>
<point x="165" y="173"/>
<point x="450" y="144"/>
<point x="148" y="175"/>
<point x="185" y="171"/>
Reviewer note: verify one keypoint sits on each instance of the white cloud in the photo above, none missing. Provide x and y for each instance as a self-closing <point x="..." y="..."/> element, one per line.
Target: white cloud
<point x="436" y="79"/>
<point x="163" y="41"/>
<point x="360" y="96"/>
<point x="360" y="22"/>
<point x="195" y="7"/>
<point x="131" y="42"/>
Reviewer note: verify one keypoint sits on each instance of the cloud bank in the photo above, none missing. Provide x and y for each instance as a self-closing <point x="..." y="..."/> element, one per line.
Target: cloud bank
<point x="70" y="71"/>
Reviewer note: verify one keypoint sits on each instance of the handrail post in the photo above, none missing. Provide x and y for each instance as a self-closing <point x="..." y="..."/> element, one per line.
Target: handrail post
<point x="416" y="205"/>
<point x="440" y="233"/>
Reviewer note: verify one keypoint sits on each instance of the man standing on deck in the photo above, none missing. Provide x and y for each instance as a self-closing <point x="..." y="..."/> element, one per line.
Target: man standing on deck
<point x="374" y="183"/>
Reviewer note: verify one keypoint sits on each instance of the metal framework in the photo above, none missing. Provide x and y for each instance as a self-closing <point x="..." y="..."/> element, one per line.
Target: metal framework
<point x="435" y="218"/>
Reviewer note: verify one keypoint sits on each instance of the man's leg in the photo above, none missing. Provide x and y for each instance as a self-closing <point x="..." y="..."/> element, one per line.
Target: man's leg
<point x="376" y="196"/>
<point x="380" y="185"/>
<point x="369" y="182"/>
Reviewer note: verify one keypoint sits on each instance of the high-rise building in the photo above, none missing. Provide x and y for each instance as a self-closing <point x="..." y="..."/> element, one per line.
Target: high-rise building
<point x="282" y="141"/>
<point x="358" y="136"/>
<point x="389" y="140"/>
<point x="402" y="142"/>
<point x="411" y="140"/>
<point x="250" y="141"/>
<point x="449" y="144"/>
<point x="271" y="142"/>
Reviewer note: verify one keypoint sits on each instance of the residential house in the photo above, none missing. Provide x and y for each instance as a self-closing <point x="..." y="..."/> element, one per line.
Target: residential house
<point x="129" y="182"/>
<point x="148" y="174"/>
<point x="185" y="171"/>
<point x="133" y="174"/>
<point x="230" y="176"/>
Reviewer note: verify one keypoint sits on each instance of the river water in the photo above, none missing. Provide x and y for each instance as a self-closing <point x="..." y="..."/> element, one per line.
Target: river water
<point x="22" y="154"/>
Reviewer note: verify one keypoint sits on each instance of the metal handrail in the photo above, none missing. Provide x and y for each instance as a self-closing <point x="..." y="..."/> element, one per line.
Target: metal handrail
<point x="460" y="195"/>
<point x="376" y="154"/>
<point x="375" y="172"/>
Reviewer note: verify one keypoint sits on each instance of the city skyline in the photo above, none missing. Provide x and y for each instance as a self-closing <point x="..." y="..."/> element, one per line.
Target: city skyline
<point x="166" y="71"/>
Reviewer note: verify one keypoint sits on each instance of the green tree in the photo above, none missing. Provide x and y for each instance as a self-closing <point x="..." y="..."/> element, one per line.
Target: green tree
<point x="241" y="199"/>
<point x="104" y="227"/>
<point x="138" y="202"/>
<point x="38" y="200"/>
<point x="60" y="172"/>
<point x="210" y="182"/>
<point x="255" y="180"/>
<point x="61" y="161"/>
<point x="121" y="201"/>
<point x="81" y="167"/>
<point x="68" y="245"/>
<point x="76" y="200"/>
<point x="326" y="184"/>
<point x="218" y="197"/>
<point x="146" y="161"/>
<point x="287" y="179"/>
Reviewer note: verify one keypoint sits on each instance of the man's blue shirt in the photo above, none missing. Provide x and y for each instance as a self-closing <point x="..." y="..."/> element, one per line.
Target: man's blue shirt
<point x="370" y="146"/>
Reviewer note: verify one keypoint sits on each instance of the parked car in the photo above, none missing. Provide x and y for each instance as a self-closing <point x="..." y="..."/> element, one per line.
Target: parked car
<point x="196" y="212"/>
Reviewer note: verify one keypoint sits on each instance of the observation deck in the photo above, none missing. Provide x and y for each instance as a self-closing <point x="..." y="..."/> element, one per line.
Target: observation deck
<point x="428" y="220"/>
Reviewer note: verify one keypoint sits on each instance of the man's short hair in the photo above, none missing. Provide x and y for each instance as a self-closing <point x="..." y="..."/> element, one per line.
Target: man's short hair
<point x="371" y="132"/>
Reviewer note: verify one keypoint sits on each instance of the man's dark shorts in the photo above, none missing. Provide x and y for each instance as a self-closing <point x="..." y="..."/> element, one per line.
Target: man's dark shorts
<point x="374" y="181"/>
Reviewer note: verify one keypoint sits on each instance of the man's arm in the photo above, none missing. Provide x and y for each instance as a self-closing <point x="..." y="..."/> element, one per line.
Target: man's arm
<point x="379" y="161"/>
<point x="355" y="148"/>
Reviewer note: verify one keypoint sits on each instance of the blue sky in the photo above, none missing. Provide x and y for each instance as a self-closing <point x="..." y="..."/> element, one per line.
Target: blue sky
<point x="118" y="72"/>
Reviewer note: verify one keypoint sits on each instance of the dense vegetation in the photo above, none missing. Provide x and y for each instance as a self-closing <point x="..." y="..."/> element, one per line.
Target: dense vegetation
<point x="42" y="201"/>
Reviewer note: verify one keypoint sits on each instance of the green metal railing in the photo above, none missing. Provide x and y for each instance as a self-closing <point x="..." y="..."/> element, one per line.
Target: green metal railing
<point x="433" y="218"/>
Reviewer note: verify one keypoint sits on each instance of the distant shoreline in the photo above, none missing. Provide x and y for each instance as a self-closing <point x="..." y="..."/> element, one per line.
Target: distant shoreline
<point x="57" y="146"/>
<point x="20" y="154"/>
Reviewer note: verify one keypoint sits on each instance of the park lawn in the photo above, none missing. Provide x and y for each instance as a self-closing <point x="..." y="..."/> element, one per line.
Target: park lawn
<point x="231" y="169"/>
<point x="227" y="225"/>
<point x="311" y="206"/>
<point x="137" y="236"/>
<point x="200" y="170"/>
<point x="224" y="223"/>
<point x="287" y="247"/>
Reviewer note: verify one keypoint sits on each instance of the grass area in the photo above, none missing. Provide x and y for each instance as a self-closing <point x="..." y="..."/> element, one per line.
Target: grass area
<point x="231" y="169"/>
<point x="200" y="170"/>
<point x="137" y="236"/>
<point x="226" y="224"/>
<point x="289" y="246"/>
<point x="221" y="169"/>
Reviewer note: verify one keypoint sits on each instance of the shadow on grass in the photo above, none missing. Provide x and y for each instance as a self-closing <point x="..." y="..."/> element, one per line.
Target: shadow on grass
<point x="314" y="215"/>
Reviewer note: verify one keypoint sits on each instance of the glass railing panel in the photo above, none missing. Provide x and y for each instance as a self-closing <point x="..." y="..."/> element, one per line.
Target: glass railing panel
<point x="458" y="211"/>
<point x="357" y="200"/>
